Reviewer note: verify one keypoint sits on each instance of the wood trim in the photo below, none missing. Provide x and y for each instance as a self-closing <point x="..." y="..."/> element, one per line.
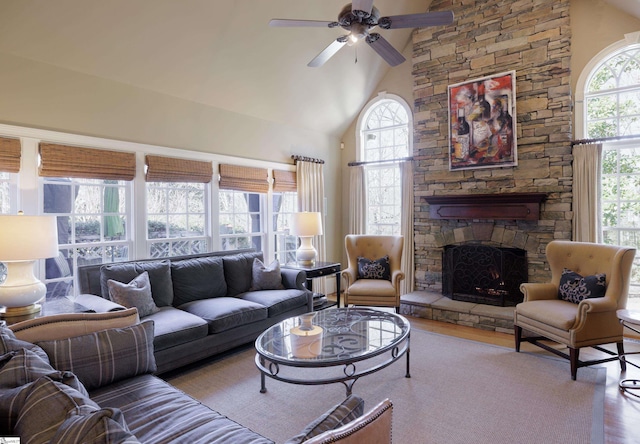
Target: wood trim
<point x="510" y="206"/>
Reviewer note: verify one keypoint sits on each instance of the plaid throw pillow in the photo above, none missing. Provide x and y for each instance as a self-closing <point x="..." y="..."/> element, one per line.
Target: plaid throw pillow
<point x="107" y="356"/>
<point x="574" y="288"/>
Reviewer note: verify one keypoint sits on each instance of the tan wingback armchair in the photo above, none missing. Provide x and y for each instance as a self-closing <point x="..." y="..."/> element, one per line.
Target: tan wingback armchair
<point x="373" y="292"/>
<point x="591" y="322"/>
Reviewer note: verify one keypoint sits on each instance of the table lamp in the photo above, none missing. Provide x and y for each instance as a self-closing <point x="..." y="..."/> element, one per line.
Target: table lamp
<point x="23" y="240"/>
<point x="306" y="225"/>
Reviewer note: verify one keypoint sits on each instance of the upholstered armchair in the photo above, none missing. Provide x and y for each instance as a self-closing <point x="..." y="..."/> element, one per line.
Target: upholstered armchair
<point x="373" y="289"/>
<point x="580" y="321"/>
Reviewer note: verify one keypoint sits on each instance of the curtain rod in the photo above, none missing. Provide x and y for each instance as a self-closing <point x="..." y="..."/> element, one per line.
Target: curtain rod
<point x="604" y="139"/>
<point x="400" y="159"/>
<point x="297" y="158"/>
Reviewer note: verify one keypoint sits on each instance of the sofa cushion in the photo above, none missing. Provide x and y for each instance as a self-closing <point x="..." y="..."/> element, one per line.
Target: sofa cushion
<point x="175" y="327"/>
<point x="170" y="415"/>
<point x="574" y="287"/>
<point x="277" y="301"/>
<point x="46" y="406"/>
<point x="100" y="426"/>
<point x="198" y="278"/>
<point x="159" y="277"/>
<point x="225" y="313"/>
<point x="136" y="293"/>
<point x="106" y="356"/>
<point x="266" y="277"/>
<point x="238" y="269"/>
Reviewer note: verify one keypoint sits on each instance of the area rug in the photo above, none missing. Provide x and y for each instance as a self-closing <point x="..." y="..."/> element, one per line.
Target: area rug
<point x="460" y="391"/>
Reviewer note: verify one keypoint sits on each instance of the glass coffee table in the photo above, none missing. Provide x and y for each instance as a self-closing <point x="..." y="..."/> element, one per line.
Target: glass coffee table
<point x="333" y="345"/>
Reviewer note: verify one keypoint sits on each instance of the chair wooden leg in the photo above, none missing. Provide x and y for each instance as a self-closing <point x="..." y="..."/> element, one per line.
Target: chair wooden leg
<point x="574" y="353"/>
<point x="518" y="336"/>
<point x="623" y="361"/>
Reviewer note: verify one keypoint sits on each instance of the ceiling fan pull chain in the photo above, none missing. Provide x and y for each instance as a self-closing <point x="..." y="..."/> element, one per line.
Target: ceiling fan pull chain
<point x="356" y="55"/>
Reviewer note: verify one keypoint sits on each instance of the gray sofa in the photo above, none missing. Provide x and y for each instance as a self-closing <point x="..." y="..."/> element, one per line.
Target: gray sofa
<point x="87" y="377"/>
<point x="207" y="303"/>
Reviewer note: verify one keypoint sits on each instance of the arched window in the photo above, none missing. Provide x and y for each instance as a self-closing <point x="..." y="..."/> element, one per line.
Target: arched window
<point x="611" y="89"/>
<point x="384" y="137"/>
<point x="612" y="95"/>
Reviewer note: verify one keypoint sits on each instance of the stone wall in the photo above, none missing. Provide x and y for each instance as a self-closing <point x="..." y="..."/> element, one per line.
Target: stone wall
<point x="533" y="38"/>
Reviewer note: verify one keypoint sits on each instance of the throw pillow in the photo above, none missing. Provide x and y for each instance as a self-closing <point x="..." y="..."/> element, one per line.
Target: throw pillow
<point x="159" y="276"/>
<point x="9" y="342"/>
<point x="136" y="293"/>
<point x="339" y="415"/>
<point x="574" y="287"/>
<point x="266" y="277"/>
<point x="46" y="407"/>
<point x="100" y="426"/>
<point x="376" y="269"/>
<point x="107" y="356"/>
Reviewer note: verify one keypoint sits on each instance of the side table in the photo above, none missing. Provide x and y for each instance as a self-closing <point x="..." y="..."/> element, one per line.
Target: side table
<point x="319" y="269"/>
<point x="631" y="320"/>
<point x="50" y="307"/>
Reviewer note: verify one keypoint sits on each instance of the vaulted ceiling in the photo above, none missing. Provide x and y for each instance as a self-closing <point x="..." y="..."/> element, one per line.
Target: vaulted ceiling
<point x="220" y="53"/>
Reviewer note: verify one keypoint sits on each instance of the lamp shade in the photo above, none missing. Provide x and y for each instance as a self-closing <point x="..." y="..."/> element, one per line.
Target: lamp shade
<point x="306" y="224"/>
<point x="25" y="238"/>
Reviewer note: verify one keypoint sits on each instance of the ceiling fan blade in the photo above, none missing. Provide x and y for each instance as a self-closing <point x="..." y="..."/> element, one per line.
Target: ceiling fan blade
<point x="326" y="54"/>
<point x="285" y="23"/>
<point x="417" y="20"/>
<point x="362" y="5"/>
<point x="384" y="49"/>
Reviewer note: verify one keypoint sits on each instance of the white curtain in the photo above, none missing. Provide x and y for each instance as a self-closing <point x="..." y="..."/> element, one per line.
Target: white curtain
<point x="310" y="178"/>
<point x="357" y="200"/>
<point x="406" y="226"/>
<point x="587" y="160"/>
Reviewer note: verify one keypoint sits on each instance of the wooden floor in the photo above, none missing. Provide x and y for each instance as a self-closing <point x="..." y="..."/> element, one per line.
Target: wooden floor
<point x="622" y="411"/>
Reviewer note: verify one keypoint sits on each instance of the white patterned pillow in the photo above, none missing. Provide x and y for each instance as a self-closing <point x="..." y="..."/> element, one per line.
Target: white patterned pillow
<point x="574" y="287"/>
<point x="266" y="277"/>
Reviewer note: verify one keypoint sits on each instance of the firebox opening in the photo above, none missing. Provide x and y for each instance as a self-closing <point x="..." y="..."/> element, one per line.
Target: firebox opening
<point x="483" y="274"/>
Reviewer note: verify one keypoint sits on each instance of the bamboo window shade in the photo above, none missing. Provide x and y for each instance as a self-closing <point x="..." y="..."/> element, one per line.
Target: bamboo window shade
<point x="284" y="181"/>
<point x="171" y="169"/>
<point x="88" y="163"/>
<point x="242" y="178"/>
<point x="10" y="152"/>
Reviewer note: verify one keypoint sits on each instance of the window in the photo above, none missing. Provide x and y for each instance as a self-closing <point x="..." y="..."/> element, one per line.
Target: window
<point x="6" y="187"/>
<point x="93" y="226"/>
<point x="176" y="218"/>
<point x="384" y="138"/>
<point x="284" y="205"/>
<point x="612" y="99"/>
<point x="240" y="219"/>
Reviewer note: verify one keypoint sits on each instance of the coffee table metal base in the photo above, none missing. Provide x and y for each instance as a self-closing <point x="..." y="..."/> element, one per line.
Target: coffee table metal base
<point x="351" y="371"/>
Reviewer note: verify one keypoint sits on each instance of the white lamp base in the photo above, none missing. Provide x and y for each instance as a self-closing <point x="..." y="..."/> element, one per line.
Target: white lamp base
<point x="306" y="253"/>
<point x="21" y="290"/>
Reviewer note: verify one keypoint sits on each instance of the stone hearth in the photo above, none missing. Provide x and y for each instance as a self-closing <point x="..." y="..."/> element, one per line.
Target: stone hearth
<point x="434" y="306"/>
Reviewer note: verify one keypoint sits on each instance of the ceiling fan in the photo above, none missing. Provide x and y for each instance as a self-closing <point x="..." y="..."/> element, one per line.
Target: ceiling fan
<point x="360" y="17"/>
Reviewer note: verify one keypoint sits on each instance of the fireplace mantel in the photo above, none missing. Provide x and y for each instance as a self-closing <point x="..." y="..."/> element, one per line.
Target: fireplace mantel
<point x="519" y="206"/>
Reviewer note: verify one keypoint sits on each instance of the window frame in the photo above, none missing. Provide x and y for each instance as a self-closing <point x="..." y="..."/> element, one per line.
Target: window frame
<point x="377" y="166"/>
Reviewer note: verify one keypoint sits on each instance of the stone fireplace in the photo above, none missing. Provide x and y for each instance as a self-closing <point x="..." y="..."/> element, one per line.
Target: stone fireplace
<point x="532" y="37"/>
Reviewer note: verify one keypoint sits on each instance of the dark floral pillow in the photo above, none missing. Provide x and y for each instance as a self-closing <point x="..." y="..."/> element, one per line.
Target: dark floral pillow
<point x="376" y="269"/>
<point x="574" y="288"/>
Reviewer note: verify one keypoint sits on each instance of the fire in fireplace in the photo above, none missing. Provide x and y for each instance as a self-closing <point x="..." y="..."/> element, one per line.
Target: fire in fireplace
<point x="483" y="274"/>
